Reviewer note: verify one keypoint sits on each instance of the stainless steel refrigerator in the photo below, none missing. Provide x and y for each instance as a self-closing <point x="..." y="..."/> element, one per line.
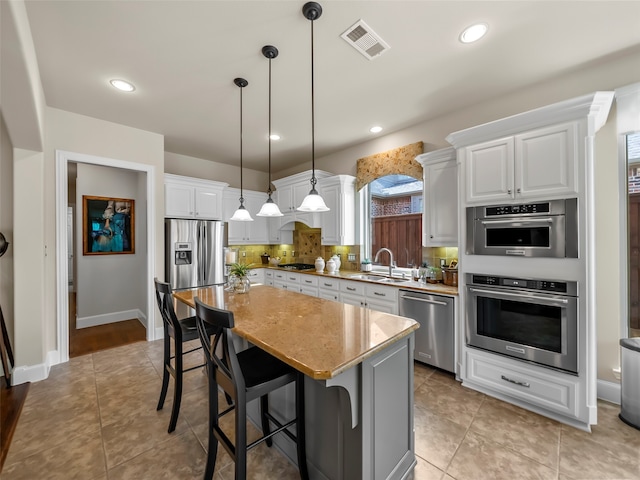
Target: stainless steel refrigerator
<point x="194" y="252"/>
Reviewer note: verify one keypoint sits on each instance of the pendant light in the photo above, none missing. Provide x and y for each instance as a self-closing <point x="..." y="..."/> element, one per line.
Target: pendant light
<point x="270" y="208"/>
<point x="312" y="202"/>
<point x="241" y="214"/>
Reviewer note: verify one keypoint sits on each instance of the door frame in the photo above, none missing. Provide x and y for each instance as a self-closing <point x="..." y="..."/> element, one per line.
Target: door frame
<point x="62" y="159"/>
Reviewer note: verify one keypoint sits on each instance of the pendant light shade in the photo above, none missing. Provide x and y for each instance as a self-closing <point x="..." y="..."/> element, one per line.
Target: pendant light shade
<point x="270" y="208"/>
<point x="241" y="214"/>
<point x="312" y="202"/>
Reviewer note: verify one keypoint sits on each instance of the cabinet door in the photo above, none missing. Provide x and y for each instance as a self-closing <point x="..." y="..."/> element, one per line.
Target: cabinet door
<point x="328" y="294"/>
<point x="236" y="231"/>
<point x="489" y="171"/>
<point x="440" y="223"/>
<point x="545" y="163"/>
<point x="178" y="200"/>
<point x="285" y="200"/>
<point x="258" y="230"/>
<point x="351" y="299"/>
<point x="330" y="221"/>
<point x="208" y="203"/>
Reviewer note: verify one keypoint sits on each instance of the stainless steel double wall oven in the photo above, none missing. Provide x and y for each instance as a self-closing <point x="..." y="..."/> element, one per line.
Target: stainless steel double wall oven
<point x="532" y="319"/>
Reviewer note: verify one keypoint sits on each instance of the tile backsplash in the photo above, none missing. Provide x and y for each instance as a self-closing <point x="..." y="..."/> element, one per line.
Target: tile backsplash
<point x="307" y="246"/>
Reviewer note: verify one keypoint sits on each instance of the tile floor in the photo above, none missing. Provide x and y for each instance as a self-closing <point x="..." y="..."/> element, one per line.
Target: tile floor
<point x="95" y="418"/>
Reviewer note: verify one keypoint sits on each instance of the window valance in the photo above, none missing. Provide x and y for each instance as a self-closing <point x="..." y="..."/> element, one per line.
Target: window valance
<point x="392" y="162"/>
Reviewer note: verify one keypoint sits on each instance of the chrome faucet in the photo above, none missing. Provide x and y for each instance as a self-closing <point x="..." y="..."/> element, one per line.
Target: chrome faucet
<point x="392" y="262"/>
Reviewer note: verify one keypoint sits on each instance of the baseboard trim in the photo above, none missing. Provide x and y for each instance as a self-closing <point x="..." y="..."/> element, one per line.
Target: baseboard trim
<point x="609" y="391"/>
<point x="113" y="317"/>
<point x="159" y="333"/>
<point x="35" y="373"/>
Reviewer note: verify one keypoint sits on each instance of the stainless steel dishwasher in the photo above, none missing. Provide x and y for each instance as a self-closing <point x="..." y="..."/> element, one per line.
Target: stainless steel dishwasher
<point x="434" y="338"/>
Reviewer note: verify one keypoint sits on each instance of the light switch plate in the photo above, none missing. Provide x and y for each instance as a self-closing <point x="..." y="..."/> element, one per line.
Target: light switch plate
<point x="351" y="257"/>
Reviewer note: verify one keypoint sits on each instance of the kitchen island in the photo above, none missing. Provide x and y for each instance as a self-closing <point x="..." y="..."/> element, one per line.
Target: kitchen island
<point x="358" y="366"/>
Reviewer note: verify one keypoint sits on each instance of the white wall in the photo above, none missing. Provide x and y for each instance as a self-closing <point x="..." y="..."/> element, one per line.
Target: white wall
<point x="6" y="226"/>
<point x="209" y="170"/>
<point x="109" y="286"/>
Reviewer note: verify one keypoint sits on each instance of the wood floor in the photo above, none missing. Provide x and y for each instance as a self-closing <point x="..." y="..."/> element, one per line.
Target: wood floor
<point x="93" y="339"/>
<point x="81" y="342"/>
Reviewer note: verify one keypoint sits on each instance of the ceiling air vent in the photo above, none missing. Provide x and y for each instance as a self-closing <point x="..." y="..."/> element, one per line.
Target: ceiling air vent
<point x="365" y="40"/>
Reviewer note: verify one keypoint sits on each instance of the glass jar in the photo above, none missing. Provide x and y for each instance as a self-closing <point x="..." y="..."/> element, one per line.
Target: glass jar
<point x="241" y="284"/>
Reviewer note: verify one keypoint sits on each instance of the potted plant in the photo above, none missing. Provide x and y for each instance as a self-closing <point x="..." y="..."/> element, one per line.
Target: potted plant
<point x="238" y="277"/>
<point x="365" y="265"/>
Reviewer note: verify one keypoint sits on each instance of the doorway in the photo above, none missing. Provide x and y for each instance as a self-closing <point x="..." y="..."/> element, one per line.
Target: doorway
<point x="63" y="161"/>
<point x="633" y="231"/>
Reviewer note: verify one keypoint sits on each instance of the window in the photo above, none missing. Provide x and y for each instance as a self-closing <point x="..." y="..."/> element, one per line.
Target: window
<point x="394" y="220"/>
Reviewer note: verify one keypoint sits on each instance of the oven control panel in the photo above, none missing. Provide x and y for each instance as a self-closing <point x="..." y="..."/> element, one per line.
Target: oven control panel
<point x="528" y="284"/>
<point x="522" y="209"/>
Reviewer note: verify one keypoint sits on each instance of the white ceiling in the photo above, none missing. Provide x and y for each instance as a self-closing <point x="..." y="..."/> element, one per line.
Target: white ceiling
<point x="183" y="56"/>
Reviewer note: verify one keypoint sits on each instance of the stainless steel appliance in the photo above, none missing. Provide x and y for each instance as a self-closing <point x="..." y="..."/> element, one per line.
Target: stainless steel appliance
<point x="530" y="319"/>
<point x="541" y="229"/>
<point x="434" y="338"/>
<point x="194" y="252"/>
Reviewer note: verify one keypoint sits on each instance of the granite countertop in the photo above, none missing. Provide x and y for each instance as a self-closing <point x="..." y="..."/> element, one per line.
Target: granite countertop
<point x="320" y="338"/>
<point x="439" y="288"/>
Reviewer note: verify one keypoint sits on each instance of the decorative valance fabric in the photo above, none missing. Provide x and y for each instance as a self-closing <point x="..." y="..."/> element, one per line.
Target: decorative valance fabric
<point x="392" y="162"/>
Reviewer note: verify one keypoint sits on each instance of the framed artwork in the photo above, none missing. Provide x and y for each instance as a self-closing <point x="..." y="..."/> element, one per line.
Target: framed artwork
<point x="108" y="225"/>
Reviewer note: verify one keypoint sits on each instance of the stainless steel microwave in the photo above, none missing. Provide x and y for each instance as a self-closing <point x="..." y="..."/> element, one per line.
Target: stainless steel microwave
<point x="541" y="229"/>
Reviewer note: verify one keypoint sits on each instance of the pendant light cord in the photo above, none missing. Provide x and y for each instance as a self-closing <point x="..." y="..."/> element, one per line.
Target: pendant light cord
<point x="241" y="192"/>
<point x="313" y="121"/>
<point x="269" y="192"/>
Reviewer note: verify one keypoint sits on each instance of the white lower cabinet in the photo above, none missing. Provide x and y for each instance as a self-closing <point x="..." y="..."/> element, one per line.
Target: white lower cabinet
<point x="329" y="288"/>
<point x="256" y="275"/>
<point x="309" y="285"/>
<point x="554" y="391"/>
<point x="352" y="293"/>
<point x="381" y="298"/>
<point x="268" y="277"/>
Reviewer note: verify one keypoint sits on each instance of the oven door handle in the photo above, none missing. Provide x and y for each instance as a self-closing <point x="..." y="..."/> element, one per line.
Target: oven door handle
<point x="520" y="220"/>
<point x="433" y="302"/>
<point x="553" y="300"/>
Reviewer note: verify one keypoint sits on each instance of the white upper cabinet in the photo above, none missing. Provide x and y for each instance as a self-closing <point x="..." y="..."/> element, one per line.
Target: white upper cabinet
<point x="245" y="233"/>
<point x="186" y="197"/>
<point x="339" y="223"/>
<point x="440" y="214"/>
<point x="538" y="164"/>
<point x="290" y="191"/>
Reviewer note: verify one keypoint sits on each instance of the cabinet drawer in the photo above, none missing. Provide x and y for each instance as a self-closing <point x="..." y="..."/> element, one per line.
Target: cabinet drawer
<point x="269" y="273"/>
<point x="280" y="276"/>
<point x="328" y="294"/>
<point x="553" y="391"/>
<point x="382" y="293"/>
<point x="292" y="277"/>
<point x="311" y="291"/>
<point x="308" y="280"/>
<point x="352" y="288"/>
<point x="329" y="283"/>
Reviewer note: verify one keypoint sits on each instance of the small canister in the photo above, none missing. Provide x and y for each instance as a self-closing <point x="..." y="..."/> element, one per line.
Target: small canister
<point x="450" y="276"/>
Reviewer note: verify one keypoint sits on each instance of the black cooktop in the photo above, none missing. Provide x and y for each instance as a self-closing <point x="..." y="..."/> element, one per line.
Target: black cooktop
<point x="297" y="266"/>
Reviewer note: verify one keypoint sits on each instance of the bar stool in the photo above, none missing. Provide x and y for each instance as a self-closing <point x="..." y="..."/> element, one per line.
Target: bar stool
<point x="244" y="376"/>
<point x="178" y="332"/>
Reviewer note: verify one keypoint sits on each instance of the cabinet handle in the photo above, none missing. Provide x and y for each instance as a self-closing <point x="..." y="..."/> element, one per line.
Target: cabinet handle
<point x="328" y="284"/>
<point x="516" y="382"/>
<point x="380" y="294"/>
<point x="307" y="281"/>
<point x="519" y="190"/>
<point x="351" y="289"/>
<point x="430" y="236"/>
<point x="509" y="191"/>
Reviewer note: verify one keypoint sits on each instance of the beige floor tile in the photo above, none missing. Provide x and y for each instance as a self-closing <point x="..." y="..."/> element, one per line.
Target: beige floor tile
<point x="40" y="429"/>
<point x="443" y="378"/>
<point x="420" y="373"/>
<point x="137" y="399"/>
<point x="425" y="471"/>
<point x="136" y="434"/>
<point x="530" y="434"/>
<point x="453" y="402"/>
<point x="80" y="457"/>
<point x="598" y="456"/>
<point x="122" y="378"/>
<point x="436" y="438"/>
<point x="179" y="458"/>
<point x="479" y="458"/>
<point x="264" y="463"/>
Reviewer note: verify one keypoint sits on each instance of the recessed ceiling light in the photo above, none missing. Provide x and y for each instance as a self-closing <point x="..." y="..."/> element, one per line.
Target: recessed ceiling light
<point x="123" y="85"/>
<point x="275" y="136"/>
<point x="474" y="33"/>
<point x="375" y="129"/>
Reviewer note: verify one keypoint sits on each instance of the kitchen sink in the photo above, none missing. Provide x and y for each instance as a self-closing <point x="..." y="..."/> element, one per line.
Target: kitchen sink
<point x="371" y="278"/>
<point x="378" y="278"/>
